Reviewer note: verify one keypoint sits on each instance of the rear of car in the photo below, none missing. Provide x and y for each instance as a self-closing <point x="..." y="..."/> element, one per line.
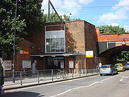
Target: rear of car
<point x="127" y="66"/>
<point x="120" y="67"/>
<point x="107" y="69"/>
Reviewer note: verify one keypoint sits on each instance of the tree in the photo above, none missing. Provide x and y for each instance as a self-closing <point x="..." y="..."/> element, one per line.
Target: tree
<point x="28" y="14"/>
<point x="123" y="56"/>
<point x="111" y="30"/>
<point x="54" y="18"/>
<point x="30" y="11"/>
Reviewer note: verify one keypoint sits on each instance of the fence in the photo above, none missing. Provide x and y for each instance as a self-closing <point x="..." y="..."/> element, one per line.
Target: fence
<point x="27" y="77"/>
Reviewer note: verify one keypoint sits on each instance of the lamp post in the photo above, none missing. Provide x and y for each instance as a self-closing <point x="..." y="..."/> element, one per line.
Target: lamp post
<point x="14" y="43"/>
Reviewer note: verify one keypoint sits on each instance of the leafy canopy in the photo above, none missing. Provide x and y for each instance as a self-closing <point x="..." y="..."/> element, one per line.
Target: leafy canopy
<point x="54" y="18"/>
<point x="111" y="29"/>
<point x="28" y="14"/>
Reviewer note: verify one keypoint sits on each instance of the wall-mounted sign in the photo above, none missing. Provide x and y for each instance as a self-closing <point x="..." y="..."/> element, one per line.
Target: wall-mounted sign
<point x="71" y="64"/>
<point x="24" y="52"/>
<point x="26" y="63"/>
<point x="7" y="65"/>
<point x="62" y="65"/>
<point x="89" y="54"/>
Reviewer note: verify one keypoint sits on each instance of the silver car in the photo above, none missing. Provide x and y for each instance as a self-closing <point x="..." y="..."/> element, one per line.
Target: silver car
<point x="107" y="69"/>
<point x="127" y="66"/>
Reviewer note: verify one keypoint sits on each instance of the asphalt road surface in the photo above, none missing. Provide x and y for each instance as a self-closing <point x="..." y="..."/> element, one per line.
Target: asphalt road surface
<point x="93" y="86"/>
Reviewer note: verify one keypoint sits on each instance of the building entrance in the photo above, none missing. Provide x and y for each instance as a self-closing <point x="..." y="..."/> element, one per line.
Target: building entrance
<point x="55" y="63"/>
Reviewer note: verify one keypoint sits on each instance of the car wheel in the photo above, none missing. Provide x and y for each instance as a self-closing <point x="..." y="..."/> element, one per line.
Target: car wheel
<point x="101" y="75"/>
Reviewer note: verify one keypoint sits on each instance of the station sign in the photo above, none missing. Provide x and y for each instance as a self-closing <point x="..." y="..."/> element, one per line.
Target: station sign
<point x="24" y="52"/>
<point x="89" y="54"/>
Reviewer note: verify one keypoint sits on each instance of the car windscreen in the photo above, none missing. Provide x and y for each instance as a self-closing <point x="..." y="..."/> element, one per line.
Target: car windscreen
<point x="105" y="66"/>
<point x="127" y="64"/>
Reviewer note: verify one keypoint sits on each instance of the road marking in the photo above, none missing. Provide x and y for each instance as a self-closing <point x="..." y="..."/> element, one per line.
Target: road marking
<point x="124" y="77"/>
<point x="108" y="78"/>
<point x="73" y="89"/>
<point x="101" y="81"/>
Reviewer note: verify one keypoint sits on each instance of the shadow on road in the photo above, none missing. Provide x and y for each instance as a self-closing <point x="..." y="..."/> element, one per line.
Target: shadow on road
<point x="22" y="94"/>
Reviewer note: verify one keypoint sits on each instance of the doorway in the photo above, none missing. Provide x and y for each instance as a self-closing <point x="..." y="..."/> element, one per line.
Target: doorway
<point x="55" y="63"/>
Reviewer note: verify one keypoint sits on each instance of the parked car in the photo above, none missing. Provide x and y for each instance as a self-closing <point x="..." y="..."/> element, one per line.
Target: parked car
<point x="126" y="66"/>
<point x="107" y="69"/>
<point x="119" y="67"/>
<point x="1" y="79"/>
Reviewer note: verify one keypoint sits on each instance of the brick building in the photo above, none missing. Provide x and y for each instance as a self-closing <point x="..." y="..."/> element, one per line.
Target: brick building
<point x="60" y="46"/>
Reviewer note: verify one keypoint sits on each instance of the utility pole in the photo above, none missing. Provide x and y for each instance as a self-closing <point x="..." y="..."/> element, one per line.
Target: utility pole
<point x="49" y="18"/>
<point x="49" y="9"/>
<point x="14" y="43"/>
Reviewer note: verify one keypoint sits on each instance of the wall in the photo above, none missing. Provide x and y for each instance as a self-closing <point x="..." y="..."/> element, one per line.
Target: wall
<point x="75" y="40"/>
<point x="27" y="48"/>
<point x="80" y="37"/>
<point x="111" y="37"/>
<point x="91" y="44"/>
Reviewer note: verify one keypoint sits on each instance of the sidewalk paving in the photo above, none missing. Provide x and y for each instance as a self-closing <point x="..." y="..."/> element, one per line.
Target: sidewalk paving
<point x="26" y="82"/>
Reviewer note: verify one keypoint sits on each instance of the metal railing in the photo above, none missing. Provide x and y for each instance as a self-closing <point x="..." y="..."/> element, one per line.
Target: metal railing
<point x="43" y="76"/>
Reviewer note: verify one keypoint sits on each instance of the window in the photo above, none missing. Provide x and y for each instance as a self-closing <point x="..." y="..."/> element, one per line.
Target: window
<point x="55" y="41"/>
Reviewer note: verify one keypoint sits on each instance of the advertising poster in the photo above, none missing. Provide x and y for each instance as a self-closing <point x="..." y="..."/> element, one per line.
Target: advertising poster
<point x="7" y="65"/>
<point x="71" y="64"/>
<point x="26" y="64"/>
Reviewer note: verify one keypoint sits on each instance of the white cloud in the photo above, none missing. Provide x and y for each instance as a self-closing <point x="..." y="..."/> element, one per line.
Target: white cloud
<point x="85" y="1"/>
<point x="57" y="4"/>
<point x="113" y="17"/>
<point x="126" y="28"/>
<point x="114" y="24"/>
<point x="66" y="6"/>
<point x="119" y="14"/>
<point x="122" y="4"/>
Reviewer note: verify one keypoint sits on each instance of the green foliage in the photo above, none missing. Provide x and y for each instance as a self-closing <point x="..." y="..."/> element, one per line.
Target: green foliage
<point x="122" y="56"/>
<point x="54" y="18"/>
<point x="111" y="30"/>
<point x="28" y="14"/>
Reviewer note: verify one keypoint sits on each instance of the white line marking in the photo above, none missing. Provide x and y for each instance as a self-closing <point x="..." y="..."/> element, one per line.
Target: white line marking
<point x="101" y="81"/>
<point x="124" y="77"/>
<point x="73" y="89"/>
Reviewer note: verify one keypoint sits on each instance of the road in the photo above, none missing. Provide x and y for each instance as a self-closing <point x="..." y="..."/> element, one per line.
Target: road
<point x="94" y="86"/>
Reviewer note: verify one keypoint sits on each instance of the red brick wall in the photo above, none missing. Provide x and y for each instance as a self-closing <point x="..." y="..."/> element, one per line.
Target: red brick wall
<point x="91" y="44"/>
<point x="75" y="39"/>
<point x="111" y="37"/>
<point x="81" y="36"/>
<point x="25" y="46"/>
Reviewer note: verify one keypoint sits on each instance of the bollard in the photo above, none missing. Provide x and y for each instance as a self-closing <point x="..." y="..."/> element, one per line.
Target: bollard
<point x="38" y="77"/>
<point x="21" y="78"/>
<point x="52" y="74"/>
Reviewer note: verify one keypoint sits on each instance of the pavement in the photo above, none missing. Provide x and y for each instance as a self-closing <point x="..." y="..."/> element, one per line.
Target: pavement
<point x="34" y="81"/>
<point x="93" y="86"/>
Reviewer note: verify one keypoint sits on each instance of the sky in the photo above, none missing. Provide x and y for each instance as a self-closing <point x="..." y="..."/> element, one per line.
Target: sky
<point x="97" y="12"/>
